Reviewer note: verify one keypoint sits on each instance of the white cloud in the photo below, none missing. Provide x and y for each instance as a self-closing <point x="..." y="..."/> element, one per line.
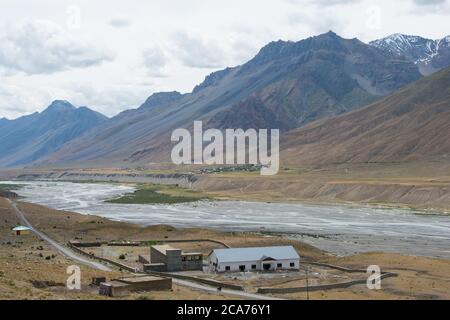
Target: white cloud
<point x="196" y="51"/>
<point x="43" y="47"/>
<point x="430" y="6"/>
<point x="328" y="21"/>
<point x="155" y="61"/>
<point x="162" y="45"/>
<point x="429" y="2"/>
<point x="324" y="2"/>
<point x="17" y="100"/>
<point x="109" y="100"/>
<point x="120" y="22"/>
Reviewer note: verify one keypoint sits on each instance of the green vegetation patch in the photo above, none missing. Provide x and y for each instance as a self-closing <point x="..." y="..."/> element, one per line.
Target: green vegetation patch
<point x="150" y="243"/>
<point x="10" y="187"/>
<point x="159" y="194"/>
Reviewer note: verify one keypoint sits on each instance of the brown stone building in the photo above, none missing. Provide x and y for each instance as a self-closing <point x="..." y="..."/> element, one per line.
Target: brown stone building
<point x="124" y="286"/>
<point x="167" y="258"/>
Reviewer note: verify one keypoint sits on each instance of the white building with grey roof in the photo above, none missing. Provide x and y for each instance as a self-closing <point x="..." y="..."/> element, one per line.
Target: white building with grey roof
<point x="254" y="259"/>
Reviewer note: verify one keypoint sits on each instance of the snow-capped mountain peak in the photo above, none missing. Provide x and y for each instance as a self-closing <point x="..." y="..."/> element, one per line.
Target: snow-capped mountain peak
<point x="428" y="54"/>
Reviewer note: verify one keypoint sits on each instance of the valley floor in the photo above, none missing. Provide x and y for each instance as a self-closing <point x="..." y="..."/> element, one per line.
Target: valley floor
<point x="423" y="185"/>
<point x="30" y="269"/>
<point x="417" y="185"/>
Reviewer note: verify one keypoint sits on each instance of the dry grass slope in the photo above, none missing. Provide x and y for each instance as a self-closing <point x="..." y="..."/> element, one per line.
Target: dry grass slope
<point x="412" y="124"/>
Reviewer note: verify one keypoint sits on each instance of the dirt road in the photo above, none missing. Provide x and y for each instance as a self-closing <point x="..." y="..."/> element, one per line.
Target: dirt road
<point x="61" y="249"/>
<point x="239" y="294"/>
<point x="73" y="256"/>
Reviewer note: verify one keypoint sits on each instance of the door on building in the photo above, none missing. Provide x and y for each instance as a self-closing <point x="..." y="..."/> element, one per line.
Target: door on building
<point x="267" y="263"/>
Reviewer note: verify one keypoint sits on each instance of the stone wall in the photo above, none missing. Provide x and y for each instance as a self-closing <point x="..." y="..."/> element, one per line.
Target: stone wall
<point x="156" y="256"/>
<point x="173" y="260"/>
<point x="122" y="288"/>
<point x="182" y="180"/>
<point x="208" y="282"/>
<point x="324" y="287"/>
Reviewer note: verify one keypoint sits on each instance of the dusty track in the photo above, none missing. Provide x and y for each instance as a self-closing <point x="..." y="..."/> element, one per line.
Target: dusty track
<point x="61" y="249"/>
<point x="96" y="265"/>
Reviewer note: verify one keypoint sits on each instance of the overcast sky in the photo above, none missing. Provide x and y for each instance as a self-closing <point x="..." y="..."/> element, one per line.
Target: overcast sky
<point x="111" y="55"/>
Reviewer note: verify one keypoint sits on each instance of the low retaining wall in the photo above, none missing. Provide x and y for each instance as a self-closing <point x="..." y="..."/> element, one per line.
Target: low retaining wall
<point x="87" y="244"/>
<point x="125" y="286"/>
<point x="208" y="282"/>
<point x="214" y="283"/>
<point x="125" y="244"/>
<point x="93" y="256"/>
<point x="188" y="241"/>
<point x="154" y="267"/>
<point x="140" y="243"/>
<point x="160" y="274"/>
<point x="324" y="287"/>
<point x="144" y="259"/>
<point x="344" y="269"/>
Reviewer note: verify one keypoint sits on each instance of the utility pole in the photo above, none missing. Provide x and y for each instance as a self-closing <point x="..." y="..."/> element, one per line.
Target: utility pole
<point x="307" y="283"/>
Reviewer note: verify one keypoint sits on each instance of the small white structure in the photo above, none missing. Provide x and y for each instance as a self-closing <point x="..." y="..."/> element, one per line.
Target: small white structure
<point x="254" y="259"/>
<point x="21" y="230"/>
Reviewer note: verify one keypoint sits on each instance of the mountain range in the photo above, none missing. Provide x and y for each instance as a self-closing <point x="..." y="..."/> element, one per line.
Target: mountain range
<point x="411" y="124"/>
<point x="429" y="55"/>
<point x="287" y="85"/>
<point x="28" y="138"/>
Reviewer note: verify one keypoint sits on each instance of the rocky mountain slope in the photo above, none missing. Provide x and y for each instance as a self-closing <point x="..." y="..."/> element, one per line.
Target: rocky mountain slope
<point x="32" y="137"/>
<point x="411" y="124"/>
<point x="429" y="55"/>
<point x="286" y="85"/>
<point x="325" y="76"/>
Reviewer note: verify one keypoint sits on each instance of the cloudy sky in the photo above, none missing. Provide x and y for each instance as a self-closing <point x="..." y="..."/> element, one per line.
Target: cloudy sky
<point x="110" y="55"/>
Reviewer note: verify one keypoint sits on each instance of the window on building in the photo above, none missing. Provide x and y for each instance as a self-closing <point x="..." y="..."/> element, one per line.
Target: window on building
<point x="227" y="268"/>
<point x="292" y="264"/>
<point x="279" y="265"/>
<point x="253" y="266"/>
<point x="241" y="268"/>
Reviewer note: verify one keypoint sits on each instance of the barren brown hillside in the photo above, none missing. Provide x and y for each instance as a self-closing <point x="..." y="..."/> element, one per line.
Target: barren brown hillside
<point x="411" y="124"/>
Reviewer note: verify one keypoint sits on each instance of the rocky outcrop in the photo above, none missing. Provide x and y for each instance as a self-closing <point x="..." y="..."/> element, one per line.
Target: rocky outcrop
<point x="8" y="195"/>
<point x="182" y="180"/>
<point x="418" y="196"/>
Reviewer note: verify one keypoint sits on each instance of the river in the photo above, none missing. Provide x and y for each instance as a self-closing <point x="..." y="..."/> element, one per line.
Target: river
<point x="340" y="229"/>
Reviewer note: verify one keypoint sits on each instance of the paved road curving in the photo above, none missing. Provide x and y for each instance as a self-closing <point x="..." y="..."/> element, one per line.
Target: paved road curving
<point x="71" y="255"/>
<point x="61" y="249"/>
<point x="235" y="293"/>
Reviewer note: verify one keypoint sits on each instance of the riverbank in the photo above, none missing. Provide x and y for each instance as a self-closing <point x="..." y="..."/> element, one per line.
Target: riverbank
<point x="421" y="186"/>
<point x="412" y="185"/>
<point x="419" y="278"/>
<point x="343" y="230"/>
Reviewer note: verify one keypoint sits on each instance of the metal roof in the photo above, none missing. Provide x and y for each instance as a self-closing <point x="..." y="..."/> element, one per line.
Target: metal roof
<point x="21" y="228"/>
<point x="255" y="254"/>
